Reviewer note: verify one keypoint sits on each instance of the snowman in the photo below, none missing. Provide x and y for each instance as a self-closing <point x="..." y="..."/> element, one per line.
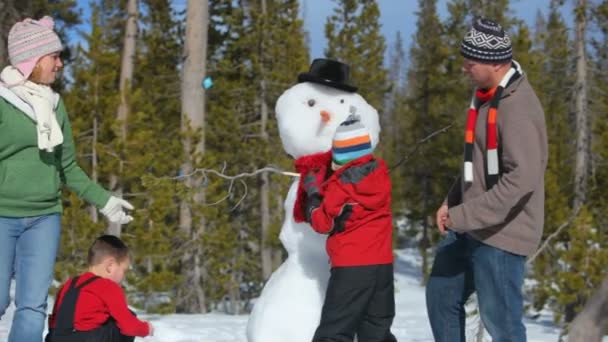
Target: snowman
<point x="289" y="307"/>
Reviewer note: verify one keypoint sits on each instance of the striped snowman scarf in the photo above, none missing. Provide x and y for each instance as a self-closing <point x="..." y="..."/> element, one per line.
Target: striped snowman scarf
<point x="479" y="98"/>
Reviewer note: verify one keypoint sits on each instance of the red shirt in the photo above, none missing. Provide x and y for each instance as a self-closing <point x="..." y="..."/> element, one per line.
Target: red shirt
<point x="98" y="301"/>
<point x="363" y="187"/>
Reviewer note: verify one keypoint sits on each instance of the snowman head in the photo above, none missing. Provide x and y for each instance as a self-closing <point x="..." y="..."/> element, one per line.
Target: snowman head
<point x="309" y="113"/>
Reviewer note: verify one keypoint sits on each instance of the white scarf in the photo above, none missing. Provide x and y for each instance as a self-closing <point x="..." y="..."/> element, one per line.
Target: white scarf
<point x="38" y="102"/>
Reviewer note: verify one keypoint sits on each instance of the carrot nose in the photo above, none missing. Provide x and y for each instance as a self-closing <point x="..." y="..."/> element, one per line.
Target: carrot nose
<point x="325" y="116"/>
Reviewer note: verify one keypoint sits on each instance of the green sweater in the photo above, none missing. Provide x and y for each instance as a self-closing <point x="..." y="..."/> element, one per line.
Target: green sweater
<point x="30" y="178"/>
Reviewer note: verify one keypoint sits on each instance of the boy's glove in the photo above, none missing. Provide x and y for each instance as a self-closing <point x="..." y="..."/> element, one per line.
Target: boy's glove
<point x="340" y="221"/>
<point x="313" y="180"/>
<point x="302" y="166"/>
<point x="313" y="201"/>
<point x="114" y="210"/>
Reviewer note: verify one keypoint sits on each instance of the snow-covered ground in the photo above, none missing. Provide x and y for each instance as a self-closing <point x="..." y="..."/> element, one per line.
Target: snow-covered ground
<point x="410" y="324"/>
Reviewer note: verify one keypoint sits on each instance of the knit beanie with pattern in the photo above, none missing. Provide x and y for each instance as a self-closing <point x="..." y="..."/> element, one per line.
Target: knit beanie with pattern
<point x="29" y="40"/>
<point x="487" y="42"/>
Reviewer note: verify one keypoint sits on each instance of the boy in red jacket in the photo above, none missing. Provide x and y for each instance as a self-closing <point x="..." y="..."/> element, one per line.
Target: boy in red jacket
<point x="351" y="203"/>
<point x="92" y="307"/>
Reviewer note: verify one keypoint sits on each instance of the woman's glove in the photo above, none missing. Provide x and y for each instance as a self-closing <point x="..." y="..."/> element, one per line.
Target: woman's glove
<point x="114" y="210"/>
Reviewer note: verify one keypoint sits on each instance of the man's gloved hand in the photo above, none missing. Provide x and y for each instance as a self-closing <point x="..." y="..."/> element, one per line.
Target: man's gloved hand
<point x="114" y="210"/>
<point x="313" y="180"/>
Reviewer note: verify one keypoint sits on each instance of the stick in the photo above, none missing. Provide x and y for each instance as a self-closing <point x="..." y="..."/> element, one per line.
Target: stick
<point x="419" y="143"/>
<point x="553" y="235"/>
<point x="235" y="177"/>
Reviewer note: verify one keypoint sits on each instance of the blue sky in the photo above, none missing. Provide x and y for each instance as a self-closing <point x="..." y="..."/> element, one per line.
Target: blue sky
<point x="395" y="15"/>
<point x="398" y="15"/>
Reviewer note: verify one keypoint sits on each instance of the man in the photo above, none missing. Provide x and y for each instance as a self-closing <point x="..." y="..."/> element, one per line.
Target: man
<point x="492" y="217"/>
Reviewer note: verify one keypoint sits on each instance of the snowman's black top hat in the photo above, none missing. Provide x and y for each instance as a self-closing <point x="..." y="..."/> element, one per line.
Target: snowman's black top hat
<point x="330" y="73"/>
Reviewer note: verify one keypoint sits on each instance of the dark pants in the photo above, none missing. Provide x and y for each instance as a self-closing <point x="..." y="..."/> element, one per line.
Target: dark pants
<point x="359" y="300"/>
<point x="464" y="265"/>
<point x="64" y="322"/>
<point x="108" y="332"/>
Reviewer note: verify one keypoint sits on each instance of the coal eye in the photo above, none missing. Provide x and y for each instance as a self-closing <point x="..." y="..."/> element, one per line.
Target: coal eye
<point x="311" y="102"/>
<point x="341" y="100"/>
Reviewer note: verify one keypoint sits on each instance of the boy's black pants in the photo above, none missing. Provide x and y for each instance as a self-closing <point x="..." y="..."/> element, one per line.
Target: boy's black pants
<point x="108" y="332"/>
<point x="359" y="300"/>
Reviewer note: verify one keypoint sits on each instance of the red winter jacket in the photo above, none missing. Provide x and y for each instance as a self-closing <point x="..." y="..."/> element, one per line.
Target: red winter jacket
<point x="98" y="301"/>
<point x="354" y="211"/>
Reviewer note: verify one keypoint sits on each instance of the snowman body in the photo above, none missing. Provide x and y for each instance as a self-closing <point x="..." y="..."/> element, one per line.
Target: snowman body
<point x="289" y="307"/>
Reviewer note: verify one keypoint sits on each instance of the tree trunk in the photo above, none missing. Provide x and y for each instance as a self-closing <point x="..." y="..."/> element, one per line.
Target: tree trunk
<point x="592" y="323"/>
<point x="266" y="250"/>
<point x="424" y="242"/>
<point x="126" y="77"/>
<point x="583" y="129"/>
<point x="94" y="172"/>
<point x="235" y="289"/>
<point x="277" y="253"/>
<point x="4" y="14"/>
<point x="8" y="16"/>
<point x="191" y="296"/>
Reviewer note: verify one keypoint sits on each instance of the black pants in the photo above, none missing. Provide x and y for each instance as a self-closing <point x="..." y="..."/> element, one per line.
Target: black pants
<point x="359" y="300"/>
<point x="108" y="332"/>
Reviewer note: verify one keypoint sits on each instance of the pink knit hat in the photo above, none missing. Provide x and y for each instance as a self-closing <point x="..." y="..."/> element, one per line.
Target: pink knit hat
<point x="29" y="40"/>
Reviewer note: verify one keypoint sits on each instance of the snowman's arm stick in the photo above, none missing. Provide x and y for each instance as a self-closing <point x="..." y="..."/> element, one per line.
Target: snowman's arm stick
<point x="238" y="176"/>
<point x="205" y="173"/>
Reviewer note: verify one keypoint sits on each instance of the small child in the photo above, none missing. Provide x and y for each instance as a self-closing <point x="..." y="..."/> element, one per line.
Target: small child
<point x="352" y="203"/>
<point x="92" y="307"/>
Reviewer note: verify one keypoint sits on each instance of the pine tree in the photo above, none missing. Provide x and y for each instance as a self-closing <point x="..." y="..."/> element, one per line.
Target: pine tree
<point x="428" y="174"/>
<point x="556" y="98"/>
<point x="497" y="10"/>
<point x="228" y="219"/>
<point x="272" y="68"/>
<point x="154" y="126"/>
<point x="590" y="324"/>
<point x="87" y="102"/>
<point x="576" y="276"/>
<point x="253" y="72"/>
<point x="569" y="270"/>
<point x="393" y="123"/>
<point x="122" y="113"/>
<point x="599" y="106"/>
<point x="353" y="35"/>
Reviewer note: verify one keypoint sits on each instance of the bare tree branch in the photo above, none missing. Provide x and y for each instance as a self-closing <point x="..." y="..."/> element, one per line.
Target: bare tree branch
<point x="553" y="235"/>
<point x="420" y="143"/>
<point x="221" y="173"/>
<point x="235" y="177"/>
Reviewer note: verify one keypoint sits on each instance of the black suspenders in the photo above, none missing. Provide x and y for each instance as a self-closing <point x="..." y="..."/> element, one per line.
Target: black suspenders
<point x="64" y="321"/>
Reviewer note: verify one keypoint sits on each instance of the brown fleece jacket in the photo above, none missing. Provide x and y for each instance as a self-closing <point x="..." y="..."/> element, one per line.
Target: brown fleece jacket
<point x="510" y="215"/>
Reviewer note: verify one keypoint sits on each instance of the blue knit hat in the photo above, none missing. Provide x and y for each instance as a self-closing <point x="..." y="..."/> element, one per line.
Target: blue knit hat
<point x="351" y="141"/>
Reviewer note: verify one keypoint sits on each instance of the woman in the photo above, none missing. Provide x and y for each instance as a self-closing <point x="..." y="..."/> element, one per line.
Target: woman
<point x="37" y="156"/>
